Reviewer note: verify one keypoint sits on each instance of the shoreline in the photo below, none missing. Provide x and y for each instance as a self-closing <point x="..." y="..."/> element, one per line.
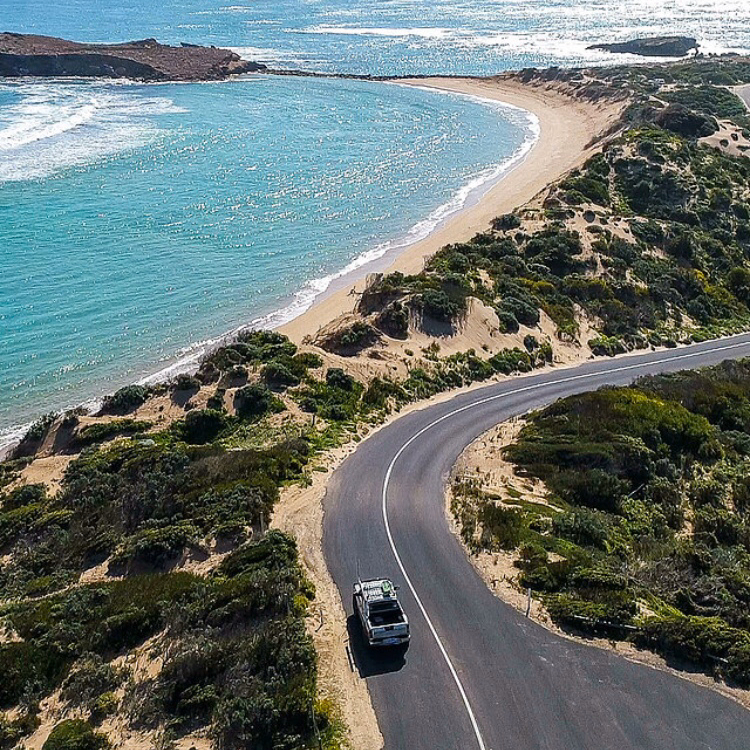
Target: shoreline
<point x="377" y="257"/>
<point x="561" y="128"/>
<point x="565" y="129"/>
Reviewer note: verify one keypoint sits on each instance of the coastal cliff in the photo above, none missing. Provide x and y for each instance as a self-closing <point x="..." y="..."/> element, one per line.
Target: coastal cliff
<point x="145" y="60"/>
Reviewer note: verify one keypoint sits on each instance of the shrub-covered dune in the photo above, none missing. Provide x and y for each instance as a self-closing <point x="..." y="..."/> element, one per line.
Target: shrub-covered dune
<point x="646" y="535"/>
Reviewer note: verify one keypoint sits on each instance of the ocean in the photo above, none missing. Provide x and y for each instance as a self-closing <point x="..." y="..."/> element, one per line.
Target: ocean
<point x="138" y="224"/>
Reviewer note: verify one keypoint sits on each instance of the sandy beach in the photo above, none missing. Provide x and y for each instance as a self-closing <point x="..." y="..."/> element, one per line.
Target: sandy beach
<point x="566" y="129"/>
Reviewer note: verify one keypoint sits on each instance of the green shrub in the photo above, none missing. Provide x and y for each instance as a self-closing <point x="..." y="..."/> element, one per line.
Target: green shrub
<point x="586" y="528"/>
<point x="526" y="312"/>
<point x="279" y="376"/>
<point x="125" y="400"/>
<point x="26" y="667"/>
<point x="606" y="346"/>
<point x="593" y="488"/>
<point x="309" y="360"/>
<point x="379" y="391"/>
<point x="510" y="360"/>
<point x="436" y="304"/>
<point x="337" y="378"/>
<point x="679" y="119"/>
<point x="590" y="615"/>
<point x="255" y="401"/>
<point x="592" y="189"/>
<point x="506" y="222"/>
<point x="101" y="431"/>
<point x="203" y="425"/>
<point x="103" y="706"/>
<point x="75" y="734"/>
<point x="215" y="402"/>
<point x="507" y="322"/>
<point x="394" y="320"/>
<point x="711" y="100"/>
<point x="158" y="546"/>
<point x="502" y="528"/>
<point x="89" y="679"/>
<point x="11" y="732"/>
<point x="186" y="382"/>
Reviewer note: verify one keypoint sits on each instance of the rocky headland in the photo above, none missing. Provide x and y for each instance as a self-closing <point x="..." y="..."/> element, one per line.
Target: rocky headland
<point x="656" y="46"/>
<point x="24" y="55"/>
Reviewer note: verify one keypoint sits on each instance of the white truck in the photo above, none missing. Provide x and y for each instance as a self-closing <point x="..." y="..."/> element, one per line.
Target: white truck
<point x="383" y="621"/>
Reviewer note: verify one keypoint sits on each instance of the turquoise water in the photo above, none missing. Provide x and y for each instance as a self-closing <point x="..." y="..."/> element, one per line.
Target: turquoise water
<point x="138" y="224"/>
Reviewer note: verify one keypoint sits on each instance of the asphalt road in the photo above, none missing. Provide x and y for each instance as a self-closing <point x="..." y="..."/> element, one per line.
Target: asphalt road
<point x="744" y="93"/>
<point x="477" y="674"/>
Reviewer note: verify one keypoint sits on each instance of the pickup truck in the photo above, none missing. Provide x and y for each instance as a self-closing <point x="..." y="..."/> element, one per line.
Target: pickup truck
<point x="383" y="621"/>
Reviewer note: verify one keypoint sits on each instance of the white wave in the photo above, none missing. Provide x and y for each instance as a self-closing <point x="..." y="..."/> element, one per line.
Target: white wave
<point x="554" y="46"/>
<point x="11" y="436"/>
<point x="713" y="47"/>
<point x="52" y="127"/>
<point x="274" y="57"/>
<point x="42" y="121"/>
<point x="188" y="358"/>
<point x="262" y="54"/>
<point x="395" y="32"/>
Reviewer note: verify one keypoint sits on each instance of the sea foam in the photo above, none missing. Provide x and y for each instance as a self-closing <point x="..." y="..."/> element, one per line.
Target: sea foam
<point x="50" y="127"/>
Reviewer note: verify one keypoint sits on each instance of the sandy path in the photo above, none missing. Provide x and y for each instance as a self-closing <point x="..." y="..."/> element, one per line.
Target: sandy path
<point x="567" y="127"/>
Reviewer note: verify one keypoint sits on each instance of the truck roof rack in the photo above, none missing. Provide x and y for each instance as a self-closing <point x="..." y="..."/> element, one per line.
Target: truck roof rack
<point x="378" y="589"/>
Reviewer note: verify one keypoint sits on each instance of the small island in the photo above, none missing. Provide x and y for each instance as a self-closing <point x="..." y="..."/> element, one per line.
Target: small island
<point x="656" y="46"/>
<point x="24" y="55"/>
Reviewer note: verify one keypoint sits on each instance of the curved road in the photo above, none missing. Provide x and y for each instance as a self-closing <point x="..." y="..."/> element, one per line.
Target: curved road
<point x="477" y="674"/>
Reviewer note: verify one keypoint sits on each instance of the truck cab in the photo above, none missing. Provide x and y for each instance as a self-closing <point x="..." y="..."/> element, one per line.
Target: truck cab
<point x="379" y="610"/>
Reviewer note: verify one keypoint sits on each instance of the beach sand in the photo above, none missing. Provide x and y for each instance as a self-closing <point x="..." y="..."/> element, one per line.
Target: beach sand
<point x="567" y="128"/>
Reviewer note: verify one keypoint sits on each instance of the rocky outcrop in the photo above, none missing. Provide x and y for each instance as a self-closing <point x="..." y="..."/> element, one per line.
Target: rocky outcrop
<point x="145" y="60"/>
<point x="656" y="46"/>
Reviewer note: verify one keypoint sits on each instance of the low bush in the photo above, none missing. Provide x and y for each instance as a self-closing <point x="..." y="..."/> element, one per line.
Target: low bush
<point x="394" y="320"/>
<point x="101" y="431"/>
<point x="679" y="119"/>
<point x="255" y="401"/>
<point x="351" y="340"/>
<point x="89" y="679"/>
<point x="125" y="400"/>
<point x="510" y="360"/>
<point x="75" y="734"/>
<point x="436" y="304"/>
<point x="606" y="346"/>
<point x="278" y="375"/>
<point x="506" y="222"/>
<point x="203" y="425"/>
<point x="186" y="382"/>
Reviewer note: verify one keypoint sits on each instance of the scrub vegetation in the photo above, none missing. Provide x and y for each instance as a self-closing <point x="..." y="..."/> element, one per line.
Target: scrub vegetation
<point x="649" y="241"/>
<point x="646" y="535"/>
<point x="143" y="592"/>
<point x="157" y="545"/>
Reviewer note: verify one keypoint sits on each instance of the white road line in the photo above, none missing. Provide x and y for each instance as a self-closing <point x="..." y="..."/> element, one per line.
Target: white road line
<point x="489" y="399"/>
